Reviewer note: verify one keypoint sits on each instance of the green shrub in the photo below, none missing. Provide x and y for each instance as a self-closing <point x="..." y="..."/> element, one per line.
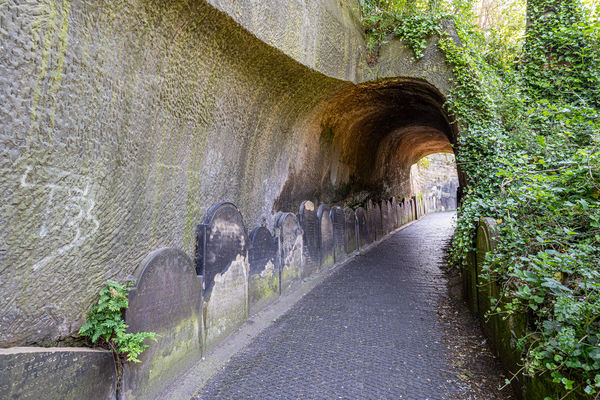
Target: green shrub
<point x="105" y="322"/>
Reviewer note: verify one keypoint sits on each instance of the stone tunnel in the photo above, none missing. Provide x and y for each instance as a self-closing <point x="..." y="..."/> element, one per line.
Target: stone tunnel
<point x="122" y="122"/>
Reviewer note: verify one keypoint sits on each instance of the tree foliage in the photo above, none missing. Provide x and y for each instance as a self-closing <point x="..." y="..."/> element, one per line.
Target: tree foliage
<point x="528" y="110"/>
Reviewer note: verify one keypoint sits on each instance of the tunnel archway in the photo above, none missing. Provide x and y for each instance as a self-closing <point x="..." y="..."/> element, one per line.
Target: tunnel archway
<point x="370" y="136"/>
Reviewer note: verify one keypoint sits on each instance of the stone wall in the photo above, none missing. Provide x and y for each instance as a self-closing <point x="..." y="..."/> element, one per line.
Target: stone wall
<point x="191" y="308"/>
<point x="122" y="120"/>
<point x="435" y="176"/>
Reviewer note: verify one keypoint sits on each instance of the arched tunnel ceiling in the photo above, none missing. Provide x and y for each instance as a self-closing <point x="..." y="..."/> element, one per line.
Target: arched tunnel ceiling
<point x="370" y="135"/>
<point x="388" y="124"/>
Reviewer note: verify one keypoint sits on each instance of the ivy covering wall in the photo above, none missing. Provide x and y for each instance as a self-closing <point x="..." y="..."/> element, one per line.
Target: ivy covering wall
<point x="527" y="105"/>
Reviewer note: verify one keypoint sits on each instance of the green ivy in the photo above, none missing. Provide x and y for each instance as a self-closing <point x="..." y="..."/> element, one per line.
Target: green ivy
<point x="380" y="19"/>
<point x="105" y="322"/>
<point x="529" y="148"/>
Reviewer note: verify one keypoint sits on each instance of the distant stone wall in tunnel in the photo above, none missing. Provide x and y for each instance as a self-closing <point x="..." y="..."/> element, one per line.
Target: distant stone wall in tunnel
<point x="373" y="133"/>
<point x="435" y="176"/>
<point x="121" y="121"/>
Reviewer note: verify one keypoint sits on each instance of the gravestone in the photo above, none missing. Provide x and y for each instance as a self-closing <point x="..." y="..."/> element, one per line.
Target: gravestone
<point x="378" y="221"/>
<point x="289" y="235"/>
<point x="311" y="251"/>
<point x="263" y="282"/>
<point x="400" y="212"/>
<point x="222" y="259"/>
<point x="166" y="299"/>
<point x="325" y="235"/>
<point x="371" y="221"/>
<point x="392" y="219"/>
<point x="362" y="225"/>
<point x="339" y="227"/>
<point x="486" y="240"/>
<point x="394" y="211"/>
<point x="350" y="232"/>
<point x="385" y="218"/>
<point x="388" y="222"/>
<point x="56" y="373"/>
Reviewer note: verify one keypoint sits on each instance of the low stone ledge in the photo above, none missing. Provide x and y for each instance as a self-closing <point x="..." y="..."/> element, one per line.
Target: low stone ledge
<point x="56" y="373"/>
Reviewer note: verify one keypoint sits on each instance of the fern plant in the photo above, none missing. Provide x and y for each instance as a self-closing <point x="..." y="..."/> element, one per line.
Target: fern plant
<point x="105" y="322"/>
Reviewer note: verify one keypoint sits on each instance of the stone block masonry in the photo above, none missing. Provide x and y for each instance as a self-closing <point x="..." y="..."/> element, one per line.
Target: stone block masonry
<point x="56" y="374"/>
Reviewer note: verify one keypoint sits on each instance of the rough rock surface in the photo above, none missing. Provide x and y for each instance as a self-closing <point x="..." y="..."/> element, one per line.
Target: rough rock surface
<point x="123" y="121"/>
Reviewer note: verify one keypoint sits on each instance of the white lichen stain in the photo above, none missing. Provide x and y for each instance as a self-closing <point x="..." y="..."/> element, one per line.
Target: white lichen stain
<point x="227" y="307"/>
<point x="268" y="269"/>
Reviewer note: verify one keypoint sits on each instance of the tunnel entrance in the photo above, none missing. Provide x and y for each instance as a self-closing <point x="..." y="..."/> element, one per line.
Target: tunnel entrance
<point x="368" y="136"/>
<point x="435" y="178"/>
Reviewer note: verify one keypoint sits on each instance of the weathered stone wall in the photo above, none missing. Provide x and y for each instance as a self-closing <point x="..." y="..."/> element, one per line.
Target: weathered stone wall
<point x="324" y="35"/>
<point x="435" y="176"/>
<point x="121" y="121"/>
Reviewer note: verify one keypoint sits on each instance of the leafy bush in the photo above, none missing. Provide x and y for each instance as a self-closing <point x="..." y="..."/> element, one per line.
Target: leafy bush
<point x="529" y="150"/>
<point x="105" y="322"/>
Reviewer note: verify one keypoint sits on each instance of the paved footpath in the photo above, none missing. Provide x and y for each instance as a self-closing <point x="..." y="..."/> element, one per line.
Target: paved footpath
<point x="369" y="331"/>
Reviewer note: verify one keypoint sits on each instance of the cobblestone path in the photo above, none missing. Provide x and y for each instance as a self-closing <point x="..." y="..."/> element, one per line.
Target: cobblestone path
<point x="369" y="331"/>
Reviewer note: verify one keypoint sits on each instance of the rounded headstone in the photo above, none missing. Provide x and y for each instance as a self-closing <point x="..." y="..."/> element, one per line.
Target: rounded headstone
<point x="167" y="295"/>
<point x="263" y="280"/>
<point x="325" y="235"/>
<point x="350" y="234"/>
<point x="362" y="225"/>
<point x="307" y="217"/>
<point x="221" y="240"/>
<point x="289" y="235"/>
<point x="339" y="227"/>
<point x="222" y="258"/>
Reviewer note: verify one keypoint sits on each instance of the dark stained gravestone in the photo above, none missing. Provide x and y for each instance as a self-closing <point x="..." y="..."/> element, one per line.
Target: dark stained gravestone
<point x="222" y="259"/>
<point x="400" y="214"/>
<point x="362" y="225"/>
<point x="385" y="219"/>
<point x="166" y="299"/>
<point x="311" y="251"/>
<point x="371" y="222"/>
<point x="350" y="232"/>
<point x="263" y="282"/>
<point x="56" y="373"/>
<point x="392" y="219"/>
<point x="325" y="235"/>
<point x="413" y="206"/>
<point x="394" y="211"/>
<point x="339" y="226"/>
<point x="378" y="222"/>
<point x="289" y="235"/>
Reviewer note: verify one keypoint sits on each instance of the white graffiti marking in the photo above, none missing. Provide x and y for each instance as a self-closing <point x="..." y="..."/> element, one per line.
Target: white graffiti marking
<point x="77" y="217"/>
